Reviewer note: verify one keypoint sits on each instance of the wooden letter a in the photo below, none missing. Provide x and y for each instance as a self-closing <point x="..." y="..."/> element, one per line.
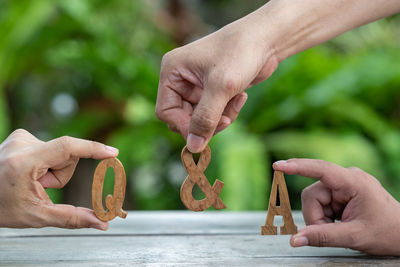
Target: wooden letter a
<point x="283" y="210"/>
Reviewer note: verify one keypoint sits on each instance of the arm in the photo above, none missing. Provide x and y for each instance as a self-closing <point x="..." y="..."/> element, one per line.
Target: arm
<point x="294" y="26"/>
<point x="201" y="88"/>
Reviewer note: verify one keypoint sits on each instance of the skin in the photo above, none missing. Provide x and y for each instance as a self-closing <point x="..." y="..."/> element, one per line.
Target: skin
<point x="369" y="216"/>
<point x="28" y="166"/>
<point x="202" y="84"/>
<point x="202" y="90"/>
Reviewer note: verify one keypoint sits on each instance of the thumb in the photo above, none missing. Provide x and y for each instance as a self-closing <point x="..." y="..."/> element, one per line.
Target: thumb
<point x="68" y="216"/>
<point x="205" y="119"/>
<point x="340" y="234"/>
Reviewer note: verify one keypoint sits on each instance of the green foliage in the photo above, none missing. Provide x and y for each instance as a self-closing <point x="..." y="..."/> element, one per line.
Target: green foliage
<point x="243" y="166"/>
<point x="336" y="102"/>
<point x="90" y="69"/>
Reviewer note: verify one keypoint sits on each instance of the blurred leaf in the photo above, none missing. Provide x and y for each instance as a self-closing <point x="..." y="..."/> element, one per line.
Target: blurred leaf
<point x="345" y="149"/>
<point x="339" y="101"/>
<point x="54" y="194"/>
<point x="243" y="166"/>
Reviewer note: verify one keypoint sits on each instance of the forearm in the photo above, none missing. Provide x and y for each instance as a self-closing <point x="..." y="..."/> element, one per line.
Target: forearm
<point x="291" y="26"/>
<point x="201" y="84"/>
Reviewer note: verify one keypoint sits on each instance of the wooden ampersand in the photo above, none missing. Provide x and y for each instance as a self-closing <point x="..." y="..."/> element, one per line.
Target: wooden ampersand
<point x="196" y="176"/>
<point x="283" y="210"/>
<point x="113" y="202"/>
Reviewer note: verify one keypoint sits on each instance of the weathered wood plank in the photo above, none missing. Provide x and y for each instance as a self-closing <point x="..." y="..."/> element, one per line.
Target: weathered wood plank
<point x="217" y="250"/>
<point x="170" y="222"/>
<point x="172" y="239"/>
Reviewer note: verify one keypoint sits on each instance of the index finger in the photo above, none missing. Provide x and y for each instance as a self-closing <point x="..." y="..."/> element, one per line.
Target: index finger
<point x="62" y="149"/>
<point x="173" y="110"/>
<point x="330" y="174"/>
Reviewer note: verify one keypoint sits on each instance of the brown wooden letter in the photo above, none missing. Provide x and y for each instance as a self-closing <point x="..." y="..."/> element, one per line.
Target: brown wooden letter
<point x="283" y="210"/>
<point x="113" y="202"/>
<point x="196" y="176"/>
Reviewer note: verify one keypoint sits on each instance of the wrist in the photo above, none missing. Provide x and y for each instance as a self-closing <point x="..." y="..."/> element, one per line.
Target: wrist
<point x="251" y="36"/>
<point x="289" y="27"/>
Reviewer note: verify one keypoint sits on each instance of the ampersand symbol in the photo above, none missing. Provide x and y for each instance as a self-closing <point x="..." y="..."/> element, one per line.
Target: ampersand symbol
<point x="113" y="202"/>
<point x="196" y="176"/>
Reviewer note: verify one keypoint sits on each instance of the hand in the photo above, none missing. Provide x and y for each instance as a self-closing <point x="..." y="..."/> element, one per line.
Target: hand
<point x="28" y="166"/>
<point x="201" y="89"/>
<point x="369" y="216"/>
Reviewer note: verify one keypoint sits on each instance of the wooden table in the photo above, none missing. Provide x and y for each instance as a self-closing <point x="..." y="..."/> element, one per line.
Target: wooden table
<point x="171" y="238"/>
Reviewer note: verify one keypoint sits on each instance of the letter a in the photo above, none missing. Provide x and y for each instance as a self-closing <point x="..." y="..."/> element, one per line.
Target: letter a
<point x="283" y="210"/>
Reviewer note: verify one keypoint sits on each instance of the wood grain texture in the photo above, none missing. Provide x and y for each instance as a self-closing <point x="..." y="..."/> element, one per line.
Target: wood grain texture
<point x="283" y="209"/>
<point x="182" y="222"/>
<point x="113" y="202"/>
<point x="196" y="176"/>
<point x="173" y="238"/>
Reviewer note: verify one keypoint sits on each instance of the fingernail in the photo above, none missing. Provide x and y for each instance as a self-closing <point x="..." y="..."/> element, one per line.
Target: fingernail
<point x="239" y="103"/>
<point x="195" y="143"/>
<point x="299" y="241"/>
<point x="112" y="149"/>
<point x="97" y="226"/>
<point x="280" y="163"/>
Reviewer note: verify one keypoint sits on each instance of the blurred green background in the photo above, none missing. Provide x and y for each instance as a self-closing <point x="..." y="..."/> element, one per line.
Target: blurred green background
<point x="90" y="69"/>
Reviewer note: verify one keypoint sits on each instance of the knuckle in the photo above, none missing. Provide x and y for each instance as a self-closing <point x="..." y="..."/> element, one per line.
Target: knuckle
<point x="94" y="144"/>
<point x="14" y="142"/>
<point x="354" y="238"/>
<point x="356" y="173"/>
<point x="63" y="143"/>
<point x="376" y="181"/>
<point x="19" y="132"/>
<point x="167" y="57"/>
<point x="37" y="216"/>
<point x="323" y="239"/>
<point x="229" y="83"/>
<point x="16" y="138"/>
<point x="372" y="180"/>
<point x="72" y="221"/>
<point x="323" y="163"/>
<point x="95" y="147"/>
<point x="358" y="238"/>
<point x="325" y="166"/>
<point x="226" y="84"/>
<point x="360" y="174"/>
<point x="355" y="169"/>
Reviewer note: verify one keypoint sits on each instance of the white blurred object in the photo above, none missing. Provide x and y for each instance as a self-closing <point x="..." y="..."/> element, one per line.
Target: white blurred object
<point x="64" y="105"/>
